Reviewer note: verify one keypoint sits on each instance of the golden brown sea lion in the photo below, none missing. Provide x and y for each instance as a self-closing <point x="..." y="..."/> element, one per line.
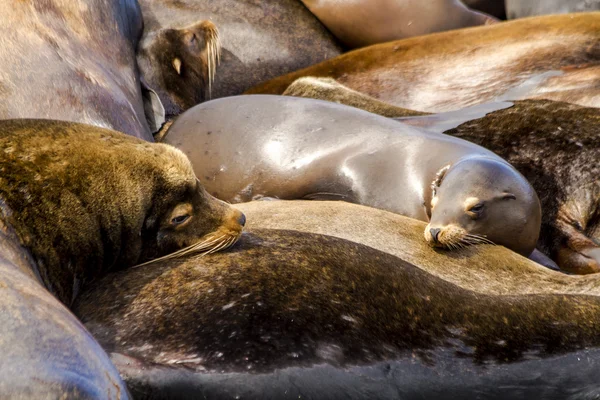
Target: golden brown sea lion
<point x="74" y="60"/>
<point x="255" y="38"/>
<point x="293" y="148"/>
<point x="75" y="202"/>
<point x="296" y="313"/>
<point x="359" y="23"/>
<point x="551" y="57"/>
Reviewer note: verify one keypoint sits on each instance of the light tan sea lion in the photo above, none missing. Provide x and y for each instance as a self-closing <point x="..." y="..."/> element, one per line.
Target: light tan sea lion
<point x="75" y="202"/>
<point x="74" y="60"/>
<point x="291" y="148"/>
<point x="255" y="41"/>
<point x="359" y="23"/>
<point x="550" y="57"/>
<point x="561" y="167"/>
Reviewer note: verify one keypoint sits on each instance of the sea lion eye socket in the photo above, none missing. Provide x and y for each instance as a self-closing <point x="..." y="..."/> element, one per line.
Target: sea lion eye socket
<point x="179" y="219"/>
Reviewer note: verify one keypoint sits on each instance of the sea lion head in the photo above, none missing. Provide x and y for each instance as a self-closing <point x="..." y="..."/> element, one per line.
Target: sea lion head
<point x="180" y="64"/>
<point x="483" y="200"/>
<point x="84" y="200"/>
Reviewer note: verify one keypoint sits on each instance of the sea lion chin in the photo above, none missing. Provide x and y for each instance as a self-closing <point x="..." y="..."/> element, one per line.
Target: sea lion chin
<point x="482" y="200"/>
<point x="84" y="200"/>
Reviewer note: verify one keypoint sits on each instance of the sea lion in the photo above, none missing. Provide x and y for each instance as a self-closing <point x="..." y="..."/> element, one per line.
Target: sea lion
<point x="561" y="168"/>
<point x="256" y="43"/>
<point x="268" y="147"/>
<point x="320" y="317"/>
<point x="77" y="201"/>
<point x="551" y="57"/>
<point x="331" y="90"/>
<point x="360" y="23"/>
<point x="527" y="8"/>
<point x="58" y="64"/>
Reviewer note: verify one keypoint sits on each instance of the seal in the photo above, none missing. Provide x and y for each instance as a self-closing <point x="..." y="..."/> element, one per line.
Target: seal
<point x="551" y="57"/>
<point x="363" y="23"/>
<point x="521" y="8"/>
<point x="343" y="318"/>
<point x="60" y="67"/>
<point x="266" y="148"/>
<point x="255" y="40"/>
<point x="78" y="201"/>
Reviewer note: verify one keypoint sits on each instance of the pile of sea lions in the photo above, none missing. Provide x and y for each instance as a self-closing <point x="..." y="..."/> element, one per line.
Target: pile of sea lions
<point x="415" y="186"/>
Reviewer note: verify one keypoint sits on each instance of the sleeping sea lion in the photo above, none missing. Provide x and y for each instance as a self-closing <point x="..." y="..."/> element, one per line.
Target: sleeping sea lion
<point x="74" y="60"/>
<point x="551" y="57"/>
<point x="256" y="41"/>
<point x="359" y="23"/>
<point x="291" y="148"/>
<point x="75" y="202"/>
<point x="553" y="144"/>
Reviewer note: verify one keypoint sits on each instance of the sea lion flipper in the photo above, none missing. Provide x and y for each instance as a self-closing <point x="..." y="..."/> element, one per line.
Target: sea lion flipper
<point x="153" y="107"/>
<point x="543" y="260"/>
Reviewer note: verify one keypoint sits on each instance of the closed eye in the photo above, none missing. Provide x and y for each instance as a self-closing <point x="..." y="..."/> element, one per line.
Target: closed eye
<point x="477" y="208"/>
<point x="180" y="219"/>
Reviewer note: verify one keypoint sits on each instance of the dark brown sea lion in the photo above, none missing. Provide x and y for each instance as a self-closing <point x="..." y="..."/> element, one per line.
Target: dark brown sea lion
<point x="359" y="23"/>
<point x="293" y="148"/>
<point x="527" y="8"/>
<point x="75" y="202"/>
<point x="74" y="60"/>
<point x="294" y="314"/>
<point x="256" y="39"/>
<point x="551" y="57"/>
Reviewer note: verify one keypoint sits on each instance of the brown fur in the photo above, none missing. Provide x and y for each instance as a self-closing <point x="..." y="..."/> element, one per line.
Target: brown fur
<point x="259" y="40"/>
<point x="85" y="200"/>
<point x="455" y="69"/>
<point x="196" y="49"/>
<point x="330" y="90"/>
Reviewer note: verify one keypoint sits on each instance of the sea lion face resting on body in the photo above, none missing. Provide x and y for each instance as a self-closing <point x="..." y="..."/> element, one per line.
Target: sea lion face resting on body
<point x="481" y="200"/>
<point x="84" y="200"/>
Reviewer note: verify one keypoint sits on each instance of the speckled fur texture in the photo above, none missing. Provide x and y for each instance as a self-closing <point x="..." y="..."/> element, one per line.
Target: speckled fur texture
<point x="84" y="200"/>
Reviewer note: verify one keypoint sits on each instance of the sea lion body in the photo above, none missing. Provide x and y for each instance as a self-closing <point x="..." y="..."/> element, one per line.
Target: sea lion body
<point x="58" y="64"/>
<point x="359" y="23"/>
<point x="259" y="41"/>
<point x="315" y="315"/>
<point x="527" y="8"/>
<point x="560" y="166"/>
<point x="551" y="57"/>
<point x="291" y="148"/>
<point x="78" y="201"/>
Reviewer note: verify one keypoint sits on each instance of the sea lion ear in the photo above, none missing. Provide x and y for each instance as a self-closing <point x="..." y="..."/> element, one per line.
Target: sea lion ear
<point x="439" y="177"/>
<point x="508" y="196"/>
<point x="153" y="107"/>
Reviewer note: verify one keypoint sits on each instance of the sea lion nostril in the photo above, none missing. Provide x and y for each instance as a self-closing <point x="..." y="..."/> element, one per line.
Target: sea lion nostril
<point x="434" y="233"/>
<point x="242" y="219"/>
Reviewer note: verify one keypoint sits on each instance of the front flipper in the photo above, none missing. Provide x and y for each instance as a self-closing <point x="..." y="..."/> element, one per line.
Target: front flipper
<point x="543" y="260"/>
